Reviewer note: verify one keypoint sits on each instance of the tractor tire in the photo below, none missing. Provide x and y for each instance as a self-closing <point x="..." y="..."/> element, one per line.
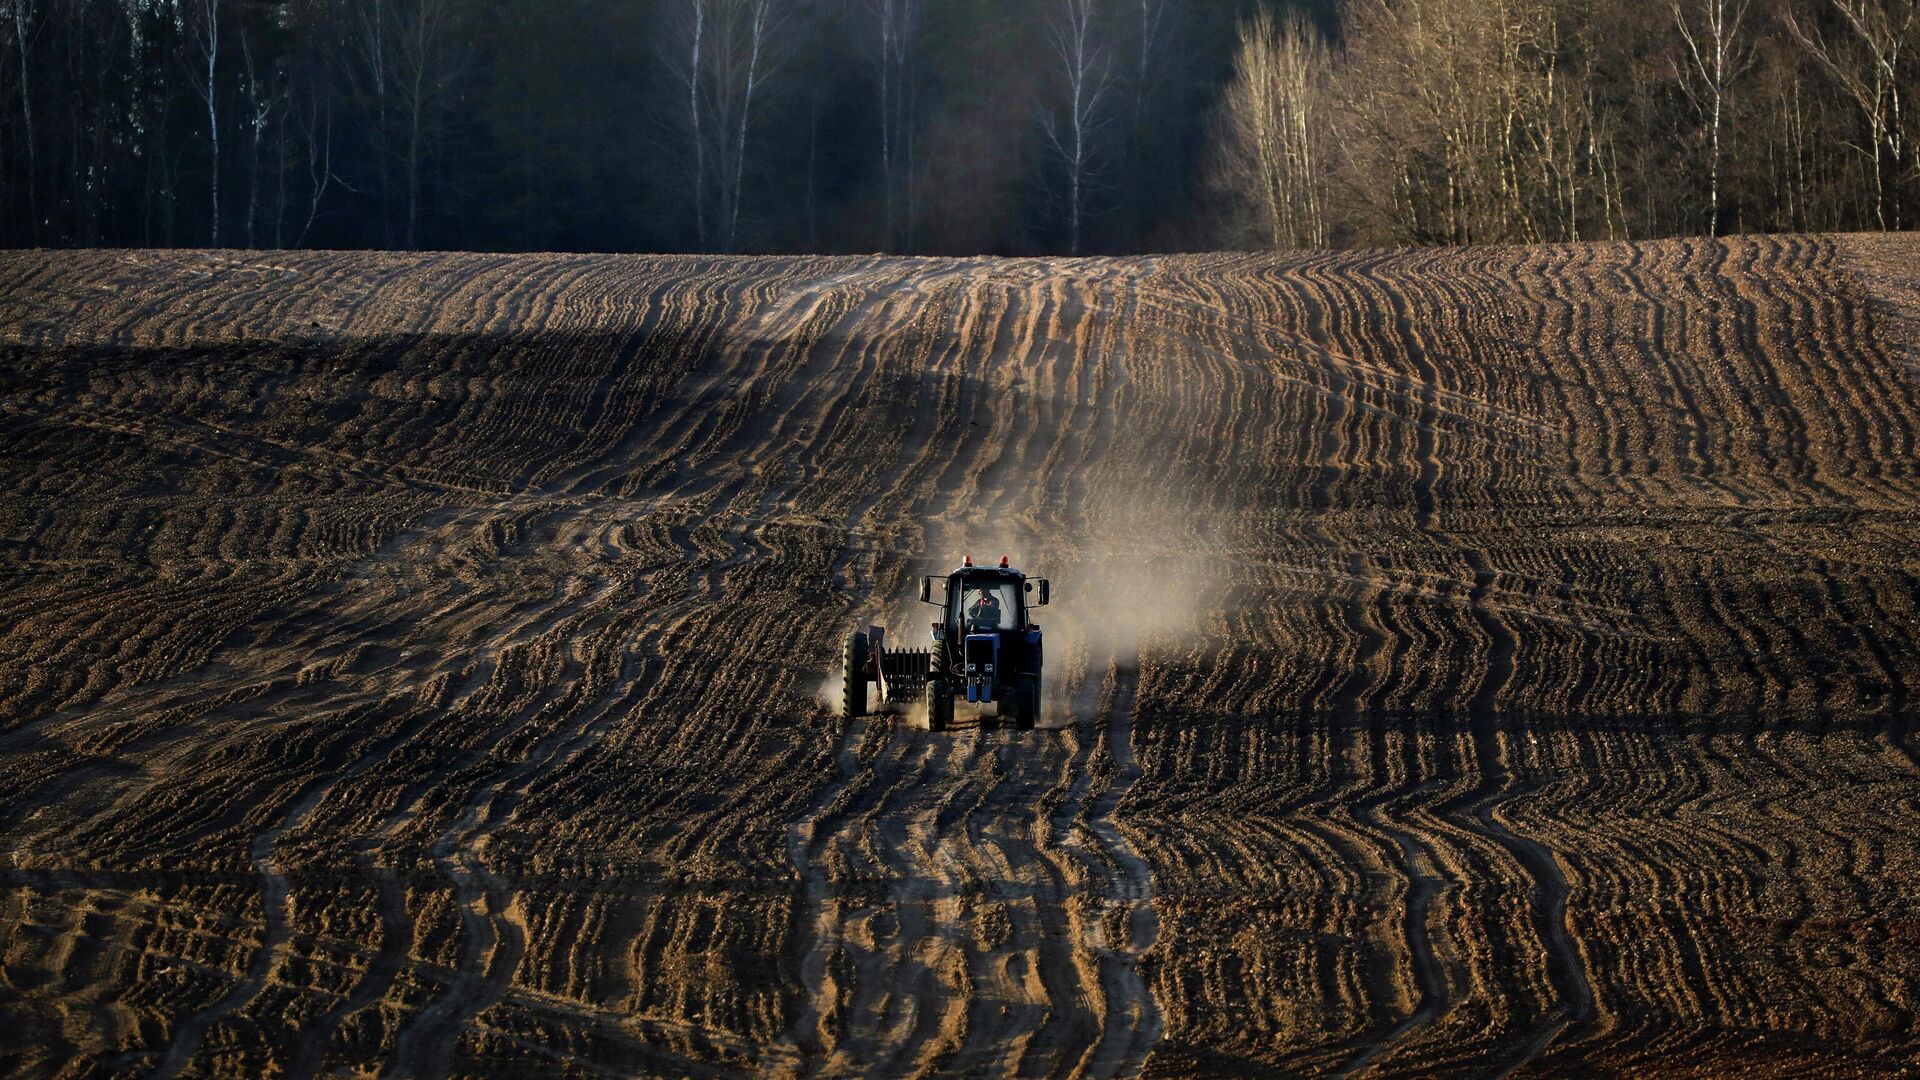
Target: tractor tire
<point x="939" y="706"/>
<point x="1028" y="695"/>
<point x="853" y="681"/>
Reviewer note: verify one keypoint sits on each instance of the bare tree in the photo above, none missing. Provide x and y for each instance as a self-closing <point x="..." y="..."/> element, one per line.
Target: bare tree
<point x="694" y="75"/>
<point x="204" y="29"/>
<point x="365" y="58"/>
<point x="762" y="19"/>
<point x="25" y="22"/>
<point x="1716" y="55"/>
<point x="1153" y="19"/>
<point x="1150" y="19"/>
<point x="423" y="61"/>
<point x="261" y="107"/>
<point x="1469" y="121"/>
<point x="316" y="128"/>
<point x="399" y="60"/>
<point x="898" y="26"/>
<point x="725" y="53"/>
<point x="1267" y="159"/>
<point x="1086" y="73"/>
<point x="1864" y="59"/>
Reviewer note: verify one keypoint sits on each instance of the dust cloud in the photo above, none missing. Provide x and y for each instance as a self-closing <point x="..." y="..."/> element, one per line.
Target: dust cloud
<point x="1125" y="583"/>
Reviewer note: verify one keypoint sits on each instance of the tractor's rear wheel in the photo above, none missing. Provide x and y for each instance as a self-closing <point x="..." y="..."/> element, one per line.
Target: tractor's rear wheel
<point x="939" y="706"/>
<point x="853" y="683"/>
<point x="1028" y="695"/>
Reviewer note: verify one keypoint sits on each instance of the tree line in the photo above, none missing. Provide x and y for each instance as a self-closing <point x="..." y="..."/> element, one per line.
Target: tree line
<point x="948" y="126"/>
<point x="1478" y="121"/>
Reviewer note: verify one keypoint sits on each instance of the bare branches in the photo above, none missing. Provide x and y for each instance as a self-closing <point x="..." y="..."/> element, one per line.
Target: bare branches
<point x="694" y="76"/>
<point x="897" y="26"/>
<point x="723" y="54"/>
<point x="1085" y="73"/>
<point x="262" y="106"/>
<point x="316" y="128"/>
<point x="25" y="19"/>
<point x="763" y="19"/>
<point x="1718" y="54"/>
<point x="1269" y="131"/>
<point x="203" y="23"/>
<point x="424" y="63"/>
<point x="1864" y="57"/>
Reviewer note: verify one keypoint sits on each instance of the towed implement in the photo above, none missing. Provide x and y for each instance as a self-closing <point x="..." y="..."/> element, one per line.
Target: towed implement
<point x="984" y="650"/>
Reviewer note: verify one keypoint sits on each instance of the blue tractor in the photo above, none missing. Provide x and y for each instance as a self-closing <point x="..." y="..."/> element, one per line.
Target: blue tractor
<point x="985" y="649"/>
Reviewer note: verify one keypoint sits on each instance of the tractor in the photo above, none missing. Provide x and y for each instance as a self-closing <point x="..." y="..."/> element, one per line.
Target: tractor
<point x="984" y="649"/>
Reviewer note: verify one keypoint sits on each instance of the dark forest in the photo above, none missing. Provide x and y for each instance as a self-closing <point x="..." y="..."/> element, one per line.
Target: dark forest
<point x="949" y="126"/>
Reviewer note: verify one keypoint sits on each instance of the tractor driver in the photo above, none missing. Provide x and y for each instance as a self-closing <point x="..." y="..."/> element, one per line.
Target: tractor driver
<point x="985" y="612"/>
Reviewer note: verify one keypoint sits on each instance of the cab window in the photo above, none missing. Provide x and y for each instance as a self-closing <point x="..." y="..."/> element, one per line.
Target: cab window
<point x="988" y="605"/>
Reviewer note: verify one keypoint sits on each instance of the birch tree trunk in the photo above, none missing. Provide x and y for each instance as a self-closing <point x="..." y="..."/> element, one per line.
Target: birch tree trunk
<point x="897" y="23"/>
<point x="1717" y="56"/>
<point x="23" y="28"/>
<point x="760" y="19"/>
<point x="260" y="112"/>
<point x="1087" y="76"/>
<point x="210" y="42"/>
<point x="697" y="54"/>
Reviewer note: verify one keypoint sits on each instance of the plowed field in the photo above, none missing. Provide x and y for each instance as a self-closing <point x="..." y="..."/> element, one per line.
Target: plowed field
<point x="1461" y="662"/>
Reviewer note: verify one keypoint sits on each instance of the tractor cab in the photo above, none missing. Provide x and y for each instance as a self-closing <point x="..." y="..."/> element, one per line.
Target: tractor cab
<point x="983" y="600"/>
<point x="984" y="605"/>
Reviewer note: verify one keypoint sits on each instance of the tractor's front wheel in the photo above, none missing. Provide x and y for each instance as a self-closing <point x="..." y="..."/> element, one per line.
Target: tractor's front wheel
<point x="853" y="683"/>
<point x="939" y="706"/>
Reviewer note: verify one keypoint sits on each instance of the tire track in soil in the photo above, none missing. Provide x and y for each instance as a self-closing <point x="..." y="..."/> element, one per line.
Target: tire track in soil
<point x="1548" y="893"/>
<point x="944" y="872"/>
<point x="396" y="940"/>
<point x="802" y="852"/>
<point x="1397" y="845"/>
<point x="273" y="937"/>
<point x="1418" y="868"/>
<point x="1124" y="1046"/>
<point x="275" y="906"/>
<point x="493" y="934"/>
